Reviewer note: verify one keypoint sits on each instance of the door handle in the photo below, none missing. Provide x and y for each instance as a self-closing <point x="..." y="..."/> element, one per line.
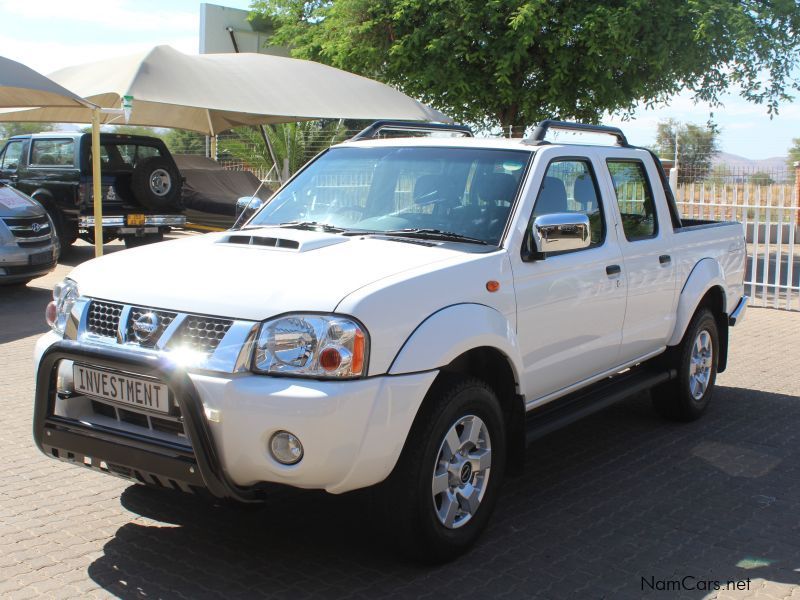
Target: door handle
<point x="613" y="270"/>
<point x="665" y="259"/>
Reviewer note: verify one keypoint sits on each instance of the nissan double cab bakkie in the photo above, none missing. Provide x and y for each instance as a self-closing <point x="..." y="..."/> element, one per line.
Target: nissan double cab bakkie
<point x="405" y="314"/>
<point x="141" y="184"/>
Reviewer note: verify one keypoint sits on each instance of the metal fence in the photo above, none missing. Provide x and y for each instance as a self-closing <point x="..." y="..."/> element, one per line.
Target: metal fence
<point x="766" y="203"/>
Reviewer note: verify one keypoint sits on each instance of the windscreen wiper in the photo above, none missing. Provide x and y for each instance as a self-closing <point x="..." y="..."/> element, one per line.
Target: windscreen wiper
<point x="432" y="234"/>
<point x="312" y="226"/>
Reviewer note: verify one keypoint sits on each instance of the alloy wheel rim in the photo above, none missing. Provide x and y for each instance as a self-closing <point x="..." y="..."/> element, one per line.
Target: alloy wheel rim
<point x="461" y="472"/>
<point x="700" y="364"/>
<point x="160" y="182"/>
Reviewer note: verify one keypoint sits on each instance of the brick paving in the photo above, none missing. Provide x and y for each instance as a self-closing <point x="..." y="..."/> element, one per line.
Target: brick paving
<point x="607" y="508"/>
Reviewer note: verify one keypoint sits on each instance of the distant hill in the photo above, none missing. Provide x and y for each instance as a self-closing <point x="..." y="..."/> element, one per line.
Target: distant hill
<point x="776" y="163"/>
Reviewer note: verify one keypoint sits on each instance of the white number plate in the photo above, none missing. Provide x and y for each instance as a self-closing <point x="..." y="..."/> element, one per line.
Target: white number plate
<point x="120" y="387"/>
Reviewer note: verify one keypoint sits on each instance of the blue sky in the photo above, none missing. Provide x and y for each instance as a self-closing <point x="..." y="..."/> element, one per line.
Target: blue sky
<point x="50" y="34"/>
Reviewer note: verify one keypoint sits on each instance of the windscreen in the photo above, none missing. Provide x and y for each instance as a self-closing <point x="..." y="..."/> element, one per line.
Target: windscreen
<point x="467" y="191"/>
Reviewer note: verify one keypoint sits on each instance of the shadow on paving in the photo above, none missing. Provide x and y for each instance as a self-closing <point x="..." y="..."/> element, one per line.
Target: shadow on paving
<point x="22" y="312"/>
<point x="605" y="506"/>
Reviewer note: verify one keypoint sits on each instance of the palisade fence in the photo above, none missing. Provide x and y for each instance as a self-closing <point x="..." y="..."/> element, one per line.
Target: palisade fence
<point x="767" y="204"/>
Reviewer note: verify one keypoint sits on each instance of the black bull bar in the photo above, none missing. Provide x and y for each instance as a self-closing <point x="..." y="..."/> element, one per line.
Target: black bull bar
<point x="198" y="467"/>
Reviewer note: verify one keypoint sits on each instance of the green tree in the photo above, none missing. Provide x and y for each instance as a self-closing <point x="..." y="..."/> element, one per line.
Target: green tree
<point x="180" y="141"/>
<point x="126" y="130"/>
<point x="8" y="130"/>
<point x="761" y="178"/>
<point x="794" y="153"/>
<point x="514" y="62"/>
<point x="697" y="145"/>
<point x="297" y="142"/>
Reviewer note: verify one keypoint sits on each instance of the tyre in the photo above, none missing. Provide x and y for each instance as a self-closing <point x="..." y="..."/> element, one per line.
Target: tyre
<point x="66" y="230"/>
<point x="443" y="489"/>
<point x="687" y="397"/>
<point x="156" y="184"/>
<point x="133" y="241"/>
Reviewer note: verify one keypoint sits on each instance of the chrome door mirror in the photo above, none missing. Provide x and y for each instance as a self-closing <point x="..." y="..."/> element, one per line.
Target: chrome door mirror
<point x="559" y="232"/>
<point x="246" y="207"/>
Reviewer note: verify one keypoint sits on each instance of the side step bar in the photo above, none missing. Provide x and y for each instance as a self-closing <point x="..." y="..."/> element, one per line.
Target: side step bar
<point x="557" y="414"/>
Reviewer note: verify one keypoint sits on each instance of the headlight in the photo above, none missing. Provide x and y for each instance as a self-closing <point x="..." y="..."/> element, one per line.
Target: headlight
<point x="328" y="346"/>
<point x="64" y="296"/>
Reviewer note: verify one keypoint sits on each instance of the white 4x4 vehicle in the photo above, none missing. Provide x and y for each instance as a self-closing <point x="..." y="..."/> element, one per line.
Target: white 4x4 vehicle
<point x="404" y="313"/>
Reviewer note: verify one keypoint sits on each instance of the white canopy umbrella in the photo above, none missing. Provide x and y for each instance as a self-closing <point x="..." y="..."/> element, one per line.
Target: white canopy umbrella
<point x="210" y="93"/>
<point x="21" y="86"/>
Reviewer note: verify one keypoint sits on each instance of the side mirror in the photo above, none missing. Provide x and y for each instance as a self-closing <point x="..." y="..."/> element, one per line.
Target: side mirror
<point x="246" y="207"/>
<point x="559" y="232"/>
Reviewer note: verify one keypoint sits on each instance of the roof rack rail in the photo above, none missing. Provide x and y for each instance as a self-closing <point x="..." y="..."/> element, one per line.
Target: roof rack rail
<point x="544" y="126"/>
<point x="374" y="130"/>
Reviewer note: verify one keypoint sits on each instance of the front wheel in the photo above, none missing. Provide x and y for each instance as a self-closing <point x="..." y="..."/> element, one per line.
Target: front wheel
<point x="687" y="397"/>
<point x="444" y="487"/>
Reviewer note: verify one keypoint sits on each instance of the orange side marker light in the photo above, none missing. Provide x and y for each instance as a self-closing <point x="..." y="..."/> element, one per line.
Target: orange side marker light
<point x="492" y="285"/>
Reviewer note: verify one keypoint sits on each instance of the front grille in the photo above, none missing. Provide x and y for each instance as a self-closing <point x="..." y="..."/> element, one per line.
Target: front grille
<point x="103" y="318"/>
<point x="164" y="320"/>
<point x="28" y="227"/>
<point x="200" y="333"/>
<point x="37" y="243"/>
<point x="193" y="332"/>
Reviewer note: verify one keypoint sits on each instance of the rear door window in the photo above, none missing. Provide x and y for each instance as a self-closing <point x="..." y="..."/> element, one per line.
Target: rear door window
<point x="53" y="153"/>
<point x="634" y="198"/>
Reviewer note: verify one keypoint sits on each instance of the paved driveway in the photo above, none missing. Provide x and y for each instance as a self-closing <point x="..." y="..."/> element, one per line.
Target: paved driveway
<point x="621" y="505"/>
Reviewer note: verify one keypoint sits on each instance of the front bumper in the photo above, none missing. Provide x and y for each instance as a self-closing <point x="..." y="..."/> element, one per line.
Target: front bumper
<point x="16" y="263"/>
<point x="352" y="431"/>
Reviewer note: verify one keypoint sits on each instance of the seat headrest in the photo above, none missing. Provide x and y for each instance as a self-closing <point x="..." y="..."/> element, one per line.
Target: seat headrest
<point x="584" y="192"/>
<point x="496" y="186"/>
<point x="552" y="197"/>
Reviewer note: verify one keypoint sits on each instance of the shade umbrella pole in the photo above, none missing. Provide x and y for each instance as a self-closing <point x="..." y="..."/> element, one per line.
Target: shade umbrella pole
<point x="271" y="151"/>
<point x="97" y="189"/>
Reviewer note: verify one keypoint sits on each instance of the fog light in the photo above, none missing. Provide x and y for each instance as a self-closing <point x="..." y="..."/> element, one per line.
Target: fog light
<point x="286" y="448"/>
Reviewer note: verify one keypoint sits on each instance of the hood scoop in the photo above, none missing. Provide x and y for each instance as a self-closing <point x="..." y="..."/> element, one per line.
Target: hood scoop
<point x="260" y="240"/>
<point x="303" y="242"/>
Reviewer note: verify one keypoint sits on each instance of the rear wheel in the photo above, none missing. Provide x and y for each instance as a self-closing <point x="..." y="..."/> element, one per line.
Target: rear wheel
<point x="687" y="397"/>
<point x="444" y="487"/>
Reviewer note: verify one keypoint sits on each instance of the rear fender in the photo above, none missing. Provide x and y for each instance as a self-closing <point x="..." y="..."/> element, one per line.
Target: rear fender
<point x="706" y="274"/>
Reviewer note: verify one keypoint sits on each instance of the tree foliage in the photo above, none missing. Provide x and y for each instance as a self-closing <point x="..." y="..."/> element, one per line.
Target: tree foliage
<point x="8" y="130"/>
<point x="794" y="153"/>
<point x="180" y="141"/>
<point x="514" y="62"/>
<point x="296" y="142"/>
<point x="697" y="146"/>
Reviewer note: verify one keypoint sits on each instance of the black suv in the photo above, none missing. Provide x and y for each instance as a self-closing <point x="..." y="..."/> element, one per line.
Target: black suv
<point x="141" y="184"/>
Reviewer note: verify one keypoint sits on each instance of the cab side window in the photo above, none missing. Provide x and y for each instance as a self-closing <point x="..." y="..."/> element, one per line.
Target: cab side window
<point x="53" y="153"/>
<point x="10" y="158"/>
<point x="634" y="198"/>
<point x="569" y="186"/>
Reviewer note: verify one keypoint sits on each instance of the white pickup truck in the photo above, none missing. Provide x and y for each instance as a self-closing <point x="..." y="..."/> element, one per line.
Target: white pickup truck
<point x="404" y="313"/>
